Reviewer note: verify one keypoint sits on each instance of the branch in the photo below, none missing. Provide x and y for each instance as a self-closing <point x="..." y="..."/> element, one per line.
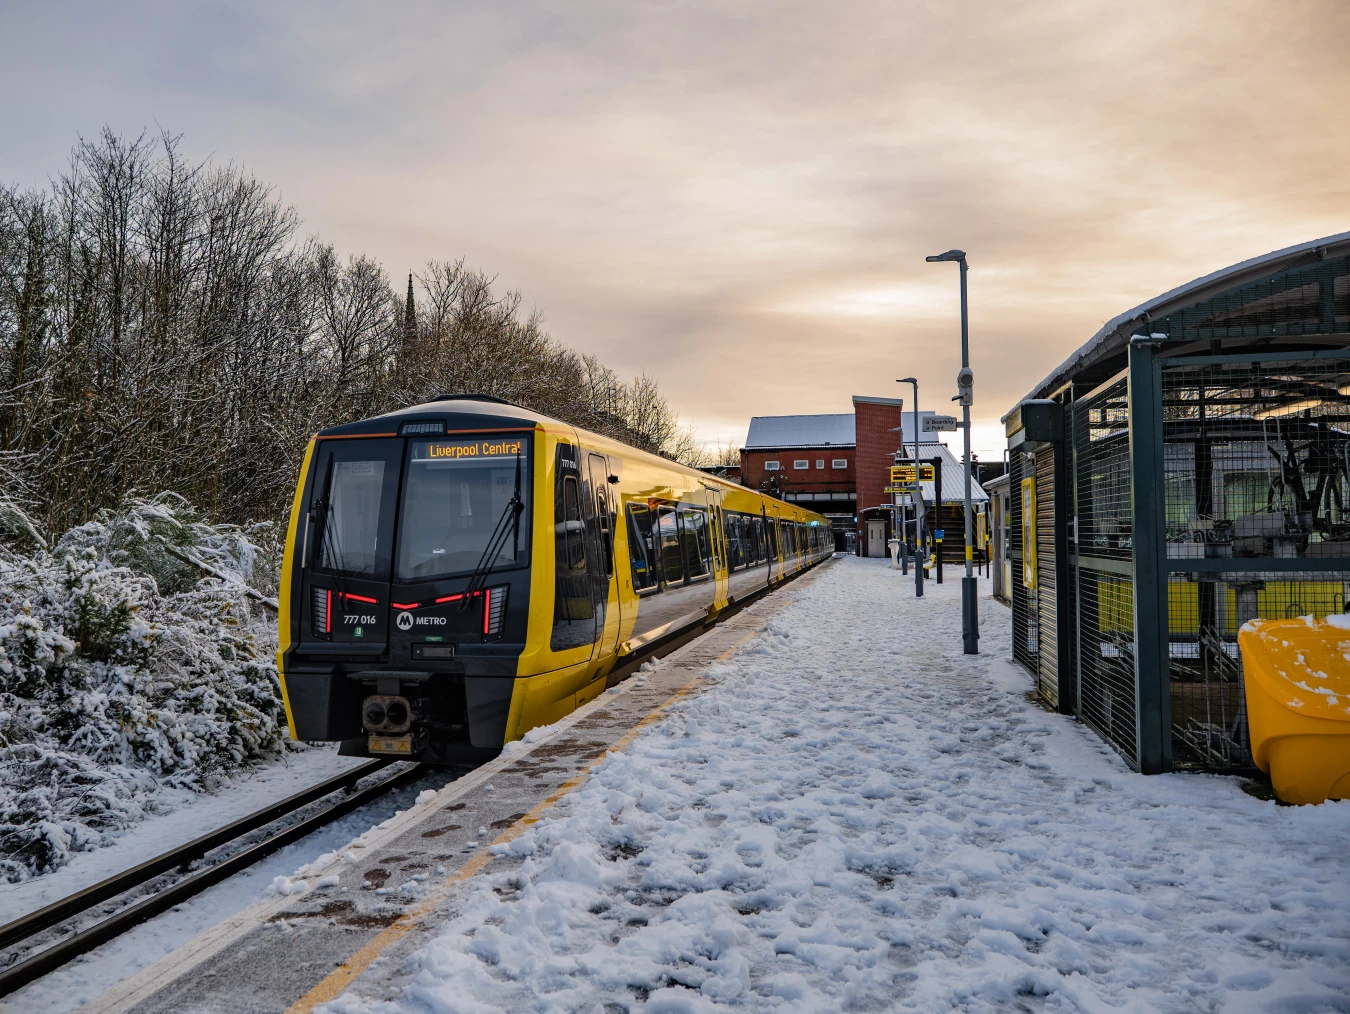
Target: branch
<point x="229" y="579"/>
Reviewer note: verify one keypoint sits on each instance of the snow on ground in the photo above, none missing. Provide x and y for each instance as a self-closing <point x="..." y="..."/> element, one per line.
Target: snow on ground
<point x="186" y="815"/>
<point x="858" y="817"/>
<point x="89" y="976"/>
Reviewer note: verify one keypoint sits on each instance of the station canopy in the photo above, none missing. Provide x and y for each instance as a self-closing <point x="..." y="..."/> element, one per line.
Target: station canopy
<point x="1285" y="299"/>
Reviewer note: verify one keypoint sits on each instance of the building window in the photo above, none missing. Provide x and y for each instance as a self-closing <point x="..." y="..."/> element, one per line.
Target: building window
<point x="801" y="463"/>
<point x="839" y="463"/>
<point x="772" y="466"/>
<point x="820" y="462"/>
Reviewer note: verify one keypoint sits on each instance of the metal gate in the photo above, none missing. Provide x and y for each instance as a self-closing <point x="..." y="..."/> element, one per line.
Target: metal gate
<point x="1103" y="574"/>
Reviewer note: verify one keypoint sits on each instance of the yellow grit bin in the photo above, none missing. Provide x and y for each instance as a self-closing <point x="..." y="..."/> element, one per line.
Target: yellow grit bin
<point x="1297" y="677"/>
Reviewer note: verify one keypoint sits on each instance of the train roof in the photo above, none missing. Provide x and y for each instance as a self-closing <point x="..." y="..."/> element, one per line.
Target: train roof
<point x="486" y="412"/>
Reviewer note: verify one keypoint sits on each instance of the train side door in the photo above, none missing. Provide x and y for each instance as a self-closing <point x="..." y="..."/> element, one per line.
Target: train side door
<point x="574" y="620"/>
<point x="600" y="500"/>
<point x="719" y="541"/>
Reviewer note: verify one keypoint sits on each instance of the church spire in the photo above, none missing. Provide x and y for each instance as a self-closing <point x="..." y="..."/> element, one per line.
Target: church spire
<point x="409" y="316"/>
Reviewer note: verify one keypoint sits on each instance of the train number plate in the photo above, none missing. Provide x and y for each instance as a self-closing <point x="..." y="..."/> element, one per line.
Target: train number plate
<point x="391" y="744"/>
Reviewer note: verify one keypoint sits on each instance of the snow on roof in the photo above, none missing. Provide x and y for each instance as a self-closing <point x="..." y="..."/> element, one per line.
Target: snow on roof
<point x="1115" y="334"/>
<point x="783" y="431"/>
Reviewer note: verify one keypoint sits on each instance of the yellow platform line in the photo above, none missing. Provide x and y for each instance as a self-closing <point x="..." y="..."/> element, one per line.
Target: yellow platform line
<point x="343" y="976"/>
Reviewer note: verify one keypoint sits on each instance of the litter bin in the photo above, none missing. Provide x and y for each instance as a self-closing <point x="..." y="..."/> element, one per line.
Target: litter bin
<point x="894" y="546"/>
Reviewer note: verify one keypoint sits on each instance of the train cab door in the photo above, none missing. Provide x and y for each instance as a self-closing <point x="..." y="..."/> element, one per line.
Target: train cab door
<point x="599" y="504"/>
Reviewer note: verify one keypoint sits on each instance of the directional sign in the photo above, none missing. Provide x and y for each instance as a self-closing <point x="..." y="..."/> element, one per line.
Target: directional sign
<point x="938" y="423"/>
<point x="901" y="474"/>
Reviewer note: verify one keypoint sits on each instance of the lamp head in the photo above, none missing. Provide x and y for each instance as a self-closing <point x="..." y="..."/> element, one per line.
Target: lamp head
<point x="950" y="255"/>
<point x="907" y="380"/>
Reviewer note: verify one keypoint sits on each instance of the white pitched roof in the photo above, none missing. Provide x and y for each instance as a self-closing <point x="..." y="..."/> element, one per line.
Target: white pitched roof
<point x="786" y="431"/>
<point x="953" y="485"/>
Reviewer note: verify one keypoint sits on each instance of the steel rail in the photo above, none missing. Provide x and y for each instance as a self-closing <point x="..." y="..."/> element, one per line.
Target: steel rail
<point x="71" y="905"/>
<point x="81" y="941"/>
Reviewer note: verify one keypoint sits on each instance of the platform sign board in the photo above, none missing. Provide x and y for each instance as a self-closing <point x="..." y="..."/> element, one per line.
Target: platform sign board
<point x="902" y="474"/>
<point x="1029" y="532"/>
<point x="939" y="423"/>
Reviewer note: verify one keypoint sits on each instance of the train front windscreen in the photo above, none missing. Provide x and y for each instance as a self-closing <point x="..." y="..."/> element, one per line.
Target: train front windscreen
<point x="409" y="521"/>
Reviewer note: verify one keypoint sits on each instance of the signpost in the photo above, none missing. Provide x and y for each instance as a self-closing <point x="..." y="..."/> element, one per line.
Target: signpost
<point x="940" y="423"/>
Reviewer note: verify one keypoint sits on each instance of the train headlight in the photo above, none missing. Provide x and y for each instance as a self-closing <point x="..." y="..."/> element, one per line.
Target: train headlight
<point x="321" y="612"/>
<point x="494" y="610"/>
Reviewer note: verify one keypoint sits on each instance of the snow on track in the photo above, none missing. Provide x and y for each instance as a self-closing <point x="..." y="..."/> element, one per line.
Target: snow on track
<point x="858" y="817"/>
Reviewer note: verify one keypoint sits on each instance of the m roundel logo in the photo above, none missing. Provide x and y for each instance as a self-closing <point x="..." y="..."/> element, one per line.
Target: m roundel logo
<point x="404" y="621"/>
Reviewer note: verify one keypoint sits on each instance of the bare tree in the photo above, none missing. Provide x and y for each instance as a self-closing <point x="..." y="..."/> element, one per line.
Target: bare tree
<point x="162" y="328"/>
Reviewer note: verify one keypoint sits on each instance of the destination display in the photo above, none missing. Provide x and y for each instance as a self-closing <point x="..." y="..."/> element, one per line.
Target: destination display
<point x="901" y="474"/>
<point x="476" y="450"/>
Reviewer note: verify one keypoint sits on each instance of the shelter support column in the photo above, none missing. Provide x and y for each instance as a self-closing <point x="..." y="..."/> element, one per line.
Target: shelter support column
<point x="1149" y="540"/>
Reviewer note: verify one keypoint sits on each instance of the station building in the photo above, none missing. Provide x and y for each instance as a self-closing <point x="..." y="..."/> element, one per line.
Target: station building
<point x="1185" y="471"/>
<point x="839" y="465"/>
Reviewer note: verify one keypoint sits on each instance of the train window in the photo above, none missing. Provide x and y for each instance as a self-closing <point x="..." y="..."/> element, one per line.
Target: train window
<point x="573" y="600"/>
<point x="642" y="548"/>
<point x="761" y="541"/>
<point x="598" y="504"/>
<point x="735" y="541"/>
<point x="453" y="501"/>
<point x="352" y="508"/>
<point x="694" y="536"/>
<point x="668" y="535"/>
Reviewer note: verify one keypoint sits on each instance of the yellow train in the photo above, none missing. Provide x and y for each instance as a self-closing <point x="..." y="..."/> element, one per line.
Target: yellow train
<point x="459" y="572"/>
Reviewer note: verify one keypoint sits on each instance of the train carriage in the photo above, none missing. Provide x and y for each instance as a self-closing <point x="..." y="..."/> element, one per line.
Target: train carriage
<point x="459" y="572"/>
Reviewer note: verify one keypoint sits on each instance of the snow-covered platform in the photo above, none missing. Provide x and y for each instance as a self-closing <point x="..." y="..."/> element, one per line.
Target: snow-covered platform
<point x="846" y="813"/>
<point x="377" y="898"/>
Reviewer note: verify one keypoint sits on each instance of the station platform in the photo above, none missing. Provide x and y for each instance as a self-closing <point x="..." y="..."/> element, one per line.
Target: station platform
<point x="374" y="901"/>
<point x="822" y="805"/>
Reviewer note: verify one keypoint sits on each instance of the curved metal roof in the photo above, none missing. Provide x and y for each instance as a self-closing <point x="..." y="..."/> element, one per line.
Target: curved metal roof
<point x="1115" y="334"/>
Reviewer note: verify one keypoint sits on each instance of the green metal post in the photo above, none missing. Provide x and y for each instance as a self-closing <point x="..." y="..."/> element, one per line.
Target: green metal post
<point x="1152" y="660"/>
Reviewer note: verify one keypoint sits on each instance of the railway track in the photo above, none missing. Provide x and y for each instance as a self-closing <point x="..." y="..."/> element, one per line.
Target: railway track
<point x="21" y="935"/>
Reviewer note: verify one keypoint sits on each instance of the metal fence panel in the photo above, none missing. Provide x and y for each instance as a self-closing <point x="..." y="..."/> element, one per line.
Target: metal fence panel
<point x="1257" y="468"/>
<point x="1099" y="429"/>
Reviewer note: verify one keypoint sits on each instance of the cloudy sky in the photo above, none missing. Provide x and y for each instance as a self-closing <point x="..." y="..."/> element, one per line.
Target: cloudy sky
<point x="737" y="197"/>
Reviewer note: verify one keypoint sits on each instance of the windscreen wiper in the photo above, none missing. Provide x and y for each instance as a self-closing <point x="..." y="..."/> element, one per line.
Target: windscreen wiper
<point x="509" y="522"/>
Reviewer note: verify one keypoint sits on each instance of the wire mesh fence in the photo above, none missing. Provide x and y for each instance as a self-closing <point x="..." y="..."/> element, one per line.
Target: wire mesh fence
<point x="1257" y="478"/>
<point x="1103" y="581"/>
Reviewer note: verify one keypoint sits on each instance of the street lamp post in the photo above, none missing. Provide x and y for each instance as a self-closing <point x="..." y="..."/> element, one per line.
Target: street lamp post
<point x="965" y="386"/>
<point x="918" y="522"/>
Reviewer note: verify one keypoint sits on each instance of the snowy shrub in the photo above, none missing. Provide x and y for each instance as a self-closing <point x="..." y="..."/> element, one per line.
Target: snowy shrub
<point x="122" y="670"/>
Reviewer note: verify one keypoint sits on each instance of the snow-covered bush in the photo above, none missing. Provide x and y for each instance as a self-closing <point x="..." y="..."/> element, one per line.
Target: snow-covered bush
<point x="123" y="669"/>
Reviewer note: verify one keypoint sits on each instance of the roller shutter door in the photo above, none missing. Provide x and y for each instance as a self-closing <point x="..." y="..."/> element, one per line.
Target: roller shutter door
<point x="1046" y="591"/>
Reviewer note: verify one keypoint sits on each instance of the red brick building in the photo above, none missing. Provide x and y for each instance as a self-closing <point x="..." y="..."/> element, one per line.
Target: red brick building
<point x="839" y="465"/>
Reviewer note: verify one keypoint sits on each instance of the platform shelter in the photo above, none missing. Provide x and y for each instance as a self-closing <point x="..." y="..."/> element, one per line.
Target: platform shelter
<point x="1186" y="470"/>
